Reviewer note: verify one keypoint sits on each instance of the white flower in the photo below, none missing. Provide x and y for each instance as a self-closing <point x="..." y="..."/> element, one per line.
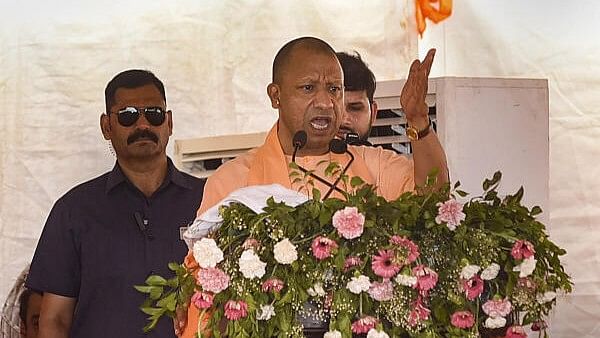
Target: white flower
<point x="207" y="253"/>
<point x="469" y="271"/>
<point x="494" y="323"/>
<point x="373" y="333"/>
<point x="358" y="284"/>
<point x="316" y="290"/>
<point x="490" y="272"/>
<point x="332" y="334"/>
<point x="406" y="280"/>
<point x="526" y="267"/>
<point x="285" y="252"/>
<point x="250" y="265"/>
<point x="548" y="296"/>
<point x="266" y="312"/>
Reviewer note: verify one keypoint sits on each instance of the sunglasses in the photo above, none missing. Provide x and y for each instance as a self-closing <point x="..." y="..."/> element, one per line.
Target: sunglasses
<point x="129" y="115"/>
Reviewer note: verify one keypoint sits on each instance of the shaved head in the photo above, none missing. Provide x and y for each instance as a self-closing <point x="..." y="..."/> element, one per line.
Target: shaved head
<point x="284" y="55"/>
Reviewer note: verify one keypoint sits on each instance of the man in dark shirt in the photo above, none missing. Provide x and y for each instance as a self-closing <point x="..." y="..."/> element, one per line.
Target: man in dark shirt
<point x="109" y="234"/>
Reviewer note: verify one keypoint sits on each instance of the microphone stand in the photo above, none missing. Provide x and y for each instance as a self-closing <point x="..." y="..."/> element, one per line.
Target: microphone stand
<point x="339" y="147"/>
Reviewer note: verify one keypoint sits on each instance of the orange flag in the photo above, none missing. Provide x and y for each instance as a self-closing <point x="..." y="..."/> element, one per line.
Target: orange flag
<point x="425" y="9"/>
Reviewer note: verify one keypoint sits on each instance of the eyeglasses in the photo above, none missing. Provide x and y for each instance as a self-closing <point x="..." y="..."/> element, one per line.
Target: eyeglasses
<point x="129" y="115"/>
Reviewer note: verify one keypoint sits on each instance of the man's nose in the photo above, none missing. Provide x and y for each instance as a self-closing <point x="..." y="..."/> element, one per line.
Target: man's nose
<point x="323" y="99"/>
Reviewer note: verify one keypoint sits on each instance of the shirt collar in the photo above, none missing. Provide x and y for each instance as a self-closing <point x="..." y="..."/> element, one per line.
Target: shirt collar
<point x="116" y="177"/>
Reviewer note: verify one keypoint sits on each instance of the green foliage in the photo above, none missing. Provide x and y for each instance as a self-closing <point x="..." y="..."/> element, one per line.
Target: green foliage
<point x="491" y="225"/>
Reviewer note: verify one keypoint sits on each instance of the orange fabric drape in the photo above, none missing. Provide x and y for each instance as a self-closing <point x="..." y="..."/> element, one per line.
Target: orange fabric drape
<point x="424" y="9"/>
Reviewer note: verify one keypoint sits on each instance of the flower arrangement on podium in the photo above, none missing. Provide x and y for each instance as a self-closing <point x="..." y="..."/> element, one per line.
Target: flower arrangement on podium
<point x="429" y="264"/>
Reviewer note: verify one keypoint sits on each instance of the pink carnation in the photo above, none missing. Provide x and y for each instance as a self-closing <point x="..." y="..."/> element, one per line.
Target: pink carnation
<point x="522" y="249"/>
<point x="364" y="324"/>
<point x="383" y="264"/>
<point x="381" y="291"/>
<point x="497" y="308"/>
<point x="473" y="287"/>
<point x="202" y="300"/>
<point x="462" y="319"/>
<point x="235" y="310"/>
<point x="213" y="280"/>
<point x="272" y="284"/>
<point x="352" y="261"/>
<point x="349" y="222"/>
<point x="515" y="332"/>
<point x="451" y="213"/>
<point x="418" y="313"/>
<point x="322" y="247"/>
<point x="409" y="251"/>
<point x="426" y="278"/>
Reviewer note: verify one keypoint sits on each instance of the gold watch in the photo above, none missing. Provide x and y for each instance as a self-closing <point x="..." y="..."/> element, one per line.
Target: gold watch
<point x="414" y="134"/>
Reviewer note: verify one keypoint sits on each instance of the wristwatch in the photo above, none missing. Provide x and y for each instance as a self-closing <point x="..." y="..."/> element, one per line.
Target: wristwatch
<point x="414" y="134"/>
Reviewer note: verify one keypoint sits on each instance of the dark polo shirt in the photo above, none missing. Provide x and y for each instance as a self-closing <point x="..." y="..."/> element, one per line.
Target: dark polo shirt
<point x="93" y="249"/>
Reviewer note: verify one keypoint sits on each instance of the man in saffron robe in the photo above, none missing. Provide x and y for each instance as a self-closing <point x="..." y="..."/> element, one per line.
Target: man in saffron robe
<point x="308" y="92"/>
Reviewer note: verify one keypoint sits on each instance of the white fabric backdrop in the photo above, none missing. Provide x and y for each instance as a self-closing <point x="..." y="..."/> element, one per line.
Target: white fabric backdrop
<point x="213" y="56"/>
<point x="554" y="40"/>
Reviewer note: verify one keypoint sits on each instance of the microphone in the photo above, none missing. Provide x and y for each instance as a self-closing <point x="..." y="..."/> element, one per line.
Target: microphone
<point x="299" y="141"/>
<point x="143" y="225"/>
<point x="339" y="147"/>
<point x="353" y="139"/>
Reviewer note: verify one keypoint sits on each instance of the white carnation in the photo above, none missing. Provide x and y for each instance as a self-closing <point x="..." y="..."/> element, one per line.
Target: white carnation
<point x="316" y="290"/>
<point x="373" y="333"/>
<point x="266" y="312"/>
<point x="207" y="253"/>
<point x="332" y="334"/>
<point x="406" y="280"/>
<point x="494" y="323"/>
<point x="546" y="297"/>
<point x="285" y="252"/>
<point x="250" y="265"/>
<point x="358" y="284"/>
<point x="526" y="267"/>
<point x="490" y="272"/>
<point x="469" y="271"/>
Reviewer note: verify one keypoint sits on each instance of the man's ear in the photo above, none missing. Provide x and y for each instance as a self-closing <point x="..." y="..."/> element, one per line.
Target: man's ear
<point x="105" y="126"/>
<point x="273" y="92"/>
<point x="170" y="121"/>
<point x="373" y="112"/>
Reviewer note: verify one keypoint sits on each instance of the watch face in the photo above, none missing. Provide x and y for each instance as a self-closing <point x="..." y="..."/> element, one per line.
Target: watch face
<point x="412" y="133"/>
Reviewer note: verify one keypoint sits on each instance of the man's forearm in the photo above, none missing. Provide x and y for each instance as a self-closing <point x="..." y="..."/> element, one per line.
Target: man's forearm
<point x="428" y="154"/>
<point x="54" y="329"/>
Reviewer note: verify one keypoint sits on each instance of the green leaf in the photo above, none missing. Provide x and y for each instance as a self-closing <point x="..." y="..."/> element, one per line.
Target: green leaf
<point x="152" y="311"/>
<point x="156" y="280"/>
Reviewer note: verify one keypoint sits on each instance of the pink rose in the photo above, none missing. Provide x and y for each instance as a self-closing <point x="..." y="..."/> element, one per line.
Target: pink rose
<point x="407" y="249"/>
<point x="462" y="319"/>
<point x="213" y="280"/>
<point x="384" y="265"/>
<point x="349" y="222"/>
<point x="381" y="291"/>
<point x="426" y="278"/>
<point x="272" y="284"/>
<point x="235" y="310"/>
<point x="473" y="287"/>
<point x="515" y="332"/>
<point x="451" y="213"/>
<point x="322" y="247"/>
<point x="364" y="324"/>
<point x="497" y="308"/>
<point x="418" y="313"/>
<point x="352" y="261"/>
<point x="522" y="249"/>
<point x="202" y="300"/>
